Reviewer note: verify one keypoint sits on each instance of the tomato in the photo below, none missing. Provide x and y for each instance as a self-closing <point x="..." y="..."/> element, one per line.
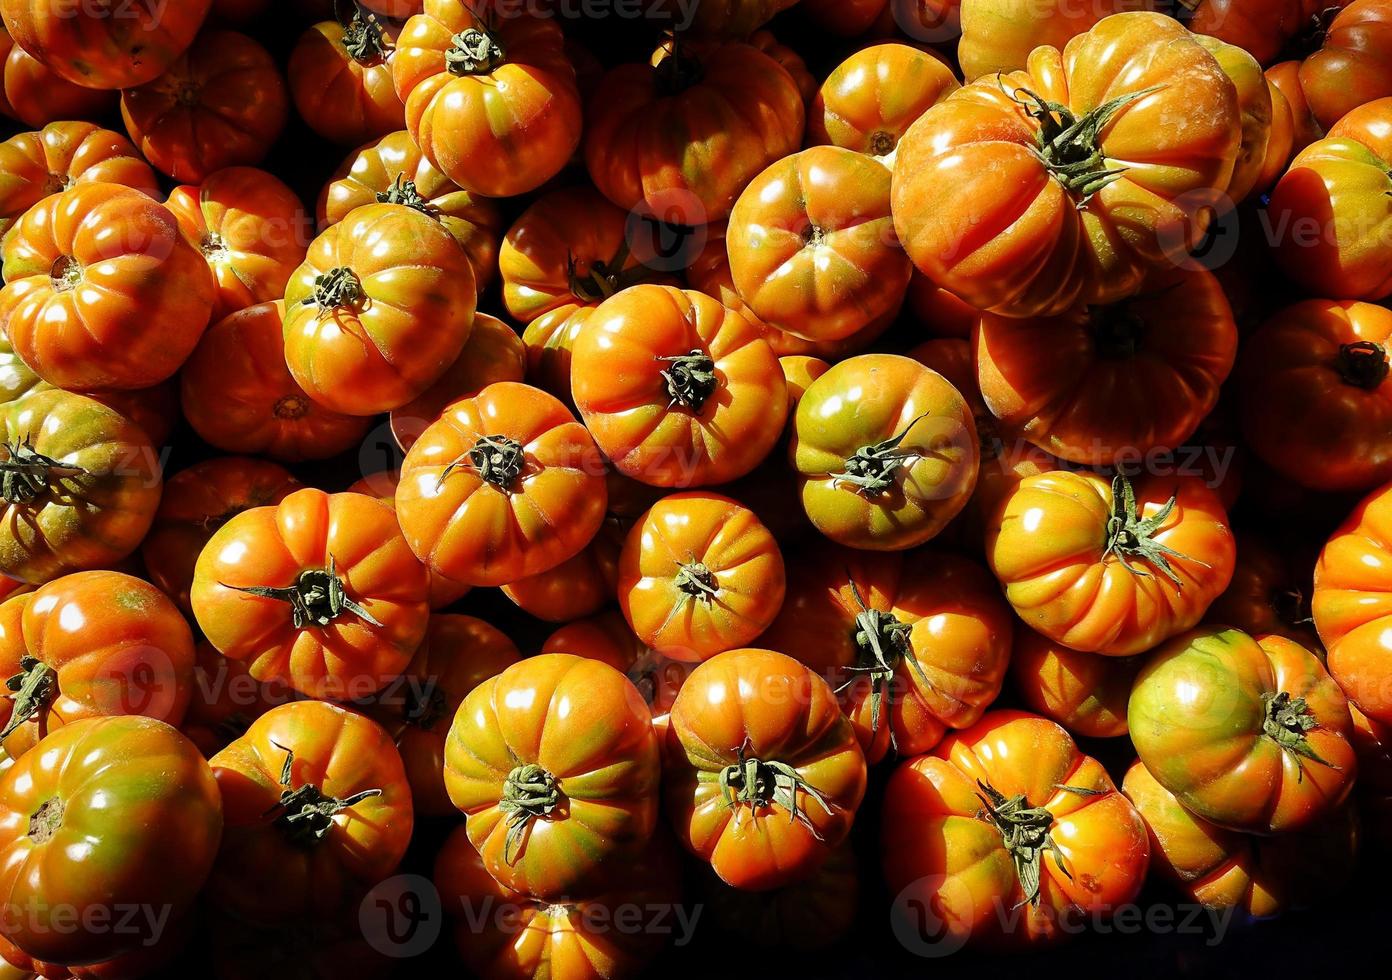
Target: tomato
<point x="164" y="944"/>
<point x="88" y="645"/>
<point x="383" y="304"/>
<point x="1330" y="215"/>
<point x="915" y="643"/>
<point x="699" y="575"/>
<point x="554" y="764"/>
<point x="34" y="94"/>
<point x="677" y="389"/>
<point x="458" y="654"/>
<point x="393" y="171"/>
<point x="1372" y="743"/>
<point x="319" y="591"/>
<point x="101" y="289"/>
<point x="317" y="812"/>
<point x="885" y="452"/>
<point x="1270" y="593"/>
<point x="1084" y="692"/>
<point x="813" y="913"/>
<point x="494" y="352"/>
<point x="221" y="104"/>
<point x="104" y="45"/>
<point x="762" y="771"/>
<point x="999" y="35"/>
<point x="872" y="98"/>
<point x="491" y="101"/>
<point x="340" y="78"/>
<point x="503" y="486"/>
<point x="1009" y="836"/>
<point x="1263" y="27"/>
<point x="1250" y="734"/>
<point x="688" y="134"/>
<point x="1101" y="384"/>
<point x="1353" y="64"/>
<point x="523" y="938"/>
<point x="1292" y="126"/>
<point x="196" y="502"/>
<point x="799" y="371"/>
<point x="113" y="814"/>
<point x="1316" y="368"/>
<point x="811" y="244"/>
<point x="1254" y="107"/>
<point x="240" y="397"/>
<point x="227" y="699"/>
<point x="1105" y="566"/>
<point x="789" y="60"/>
<point x="1224" y="869"/>
<point x="579" y="586"/>
<point x="80" y="488"/>
<point x="1077" y="230"/>
<point x="251" y="229"/>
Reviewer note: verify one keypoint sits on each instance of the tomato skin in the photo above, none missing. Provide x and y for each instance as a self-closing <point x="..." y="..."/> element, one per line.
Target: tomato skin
<point x="1224" y="869"/>
<point x="654" y="138"/>
<point x="84" y="520"/>
<point x="262" y="873"/>
<point x="579" y="586"/>
<point x="221" y="104"/>
<point x="377" y="351"/>
<point x="140" y="821"/>
<point x="1263" y="27"/>
<point x="196" y="502"/>
<point x="812" y="913"/>
<point x="1201" y="717"/>
<point x="344" y="97"/>
<point x="497" y="529"/>
<point x="601" y="754"/>
<point x="92" y="46"/>
<point x="154" y="298"/>
<point x="1084" y="692"/>
<point x="252" y="230"/>
<point x="227" y="700"/>
<point x="457" y="655"/>
<point x="1351" y="68"/>
<point x="1097" y="385"/>
<point x="1269" y="593"/>
<point x="699" y="574"/>
<point x="369" y="174"/>
<point x="239" y="396"/>
<point x="872" y="98"/>
<point x="451" y="116"/>
<point x="1058" y="575"/>
<point x="958" y="633"/>
<point x="811" y="244"/>
<point x="859" y="404"/>
<point x="1255" y="110"/>
<point x="752" y="704"/>
<point x="272" y="547"/>
<point x="34" y="94"/>
<point x="1300" y="380"/>
<point x="998" y="35"/>
<point x="1048" y="247"/>
<point x="632" y="410"/>
<point x="935" y="841"/>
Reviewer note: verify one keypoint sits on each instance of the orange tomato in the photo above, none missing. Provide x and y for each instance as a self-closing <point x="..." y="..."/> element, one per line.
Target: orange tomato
<point x="36" y="95"/>
<point x="579" y="586"/>
<point x="227" y="699"/>
<point x="340" y="77"/>
<point x="1353" y="65"/>
<point x="1255" y="112"/>
<point x="999" y="35"/>
<point x="1084" y="692"/>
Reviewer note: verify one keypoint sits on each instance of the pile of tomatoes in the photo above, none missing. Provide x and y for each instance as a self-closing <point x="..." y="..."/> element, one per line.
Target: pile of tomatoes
<point x="780" y="458"/>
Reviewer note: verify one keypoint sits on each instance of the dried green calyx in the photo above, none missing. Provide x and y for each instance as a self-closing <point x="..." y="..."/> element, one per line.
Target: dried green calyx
<point x="31" y="691"/>
<point x="1131" y="537"/>
<point x="529" y="793"/>
<point x="872" y="469"/>
<point x="316" y="598"/>
<point x="691" y="379"/>
<point x="756" y="783"/>
<point x="306" y="814"/>
<point x="26" y="473"/>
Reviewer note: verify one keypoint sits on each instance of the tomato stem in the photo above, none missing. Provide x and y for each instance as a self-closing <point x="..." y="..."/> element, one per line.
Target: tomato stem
<point x="33" y="687"/>
<point x="1287" y="722"/>
<point x="307" y="814"/>
<point x="291" y="407"/>
<point x="755" y="782"/>
<point x="872" y="469"/>
<point x="46" y="821"/>
<point x="691" y="379"/>
<point x="882" y="643"/>
<point x="680" y="69"/>
<point x="339" y="287"/>
<point x="473" y="52"/>
<point x="882" y="144"/>
<point x="25" y="473"/>
<point x="497" y="460"/>
<point x="363" y="36"/>
<point x="403" y="191"/>
<point x="1025" y="831"/>
<point x="1363" y="364"/>
<point x="211" y="244"/>
<point x="317" y="598"/>
<point x="697" y="582"/>
<point x="603" y="278"/>
<point x="529" y="792"/>
<point x="1131" y="537"/>
<point x="65" y="273"/>
<point x="1070" y="146"/>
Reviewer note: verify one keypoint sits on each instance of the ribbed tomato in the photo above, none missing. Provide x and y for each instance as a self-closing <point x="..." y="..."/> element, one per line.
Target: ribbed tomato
<point x="1254" y="109"/>
<point x="579" y="586"/>
<point x="340" y="78"/>
<point x="999" y="35"/>
<point x="36" y="95"/>
<point x="1084" y="692"/>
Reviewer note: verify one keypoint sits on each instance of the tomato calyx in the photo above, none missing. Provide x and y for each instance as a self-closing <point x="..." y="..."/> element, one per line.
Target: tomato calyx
<point x="33" y="687"/>
<point x="690" y="379"/>
<point x="25" y="473"/>
<point x="497" y="460"/>
<point x="307" y="814"/>
<point x="872" y="469"/>
<point x="65" y="274"/>
<point x="425" y="705"/>
<point x="291" y="407"/>
<point x="679" y="70"/>
<point x="1286" y="722"/>
<point x="46" y="821"/>
<point x="529" y="792"/>
<point x="1311" y="39"/>
<point x="602" y="278"/>
<point x="1118" y="332"/>
<point x="883" y="143"/>
<point x="339" y="287"/>
<point x="755" y="783"/>
<point x="212" y="245"/>
<point x="1070" y="146"/>
<point x="1025" y="832"/>
<point x="363" y="36"/>
<point x="316" y="599"/>
<point x="1363" y="364"/>
<point x="882" y="644"/>
<point x="404" y="192"/>
<point x="696" y="581"/>
<point x="1130" y="537"/>
<point x="473" y="52"/>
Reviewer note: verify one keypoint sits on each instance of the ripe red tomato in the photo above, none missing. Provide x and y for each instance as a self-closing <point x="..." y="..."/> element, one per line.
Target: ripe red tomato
<point x="252" y="230"/>
<point x="1084" y="692"/>
<point x="317" y="811"/>
<point x="104" y="45"/>
<point x="81" y="486"/>
<point x="1352" y="64"/>
<point x="340" y="78"/>
<point x="554" y="764"/>
<point x="677" y="389"/>
<point x="1077" y="230"/>
<point x="196" y="502"/>
<point x="393" y="171"/>
<point x="762" y="774"/>
<point x="113" y="814"/>
<point x="1010" y="836"/>
<point x="579" y="586"/>
<point x="36" y="95"/>
<point x="491" y="101"/>
<point x="503" y="486"/>
<point x="320" y="591"/>
<point x="102" y="290"/>
<point x="88" y="645"/>
<point x="915" y="642"/>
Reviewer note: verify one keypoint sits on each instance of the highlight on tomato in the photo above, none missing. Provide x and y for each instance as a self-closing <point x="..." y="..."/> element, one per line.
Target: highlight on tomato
<point x="1254" y="106"/>
<point x="1086" y="693"/>
<point x="999" y="35"/>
